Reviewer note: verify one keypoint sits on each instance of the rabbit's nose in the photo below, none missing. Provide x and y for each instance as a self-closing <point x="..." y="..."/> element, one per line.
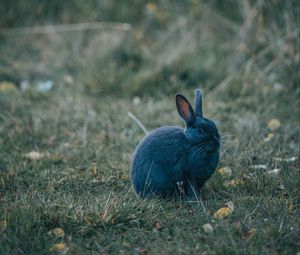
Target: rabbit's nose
<point x="216" y="139"/>
<point x="217" y="142"/>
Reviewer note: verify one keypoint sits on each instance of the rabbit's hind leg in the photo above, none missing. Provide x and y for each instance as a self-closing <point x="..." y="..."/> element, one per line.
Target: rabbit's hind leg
<point x="159" y="183"/>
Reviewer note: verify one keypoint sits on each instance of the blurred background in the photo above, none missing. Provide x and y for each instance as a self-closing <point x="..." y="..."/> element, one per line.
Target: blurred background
<point x="147" y="48"/>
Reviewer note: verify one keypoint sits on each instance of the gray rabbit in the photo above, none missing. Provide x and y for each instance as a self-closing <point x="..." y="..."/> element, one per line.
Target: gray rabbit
<point x="173" y="161"/>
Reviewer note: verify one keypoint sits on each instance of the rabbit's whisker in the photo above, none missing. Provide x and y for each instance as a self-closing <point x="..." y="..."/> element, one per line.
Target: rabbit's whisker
<point x="225" y="136"/>
<point x="200" y="150"/>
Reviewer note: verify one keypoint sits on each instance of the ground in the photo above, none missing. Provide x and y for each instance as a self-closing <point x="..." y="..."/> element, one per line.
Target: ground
<point x="66" y="138"/>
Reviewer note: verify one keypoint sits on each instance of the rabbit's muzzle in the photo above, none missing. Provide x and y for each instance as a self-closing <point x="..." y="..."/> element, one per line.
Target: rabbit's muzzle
<point x="214" y="144"/>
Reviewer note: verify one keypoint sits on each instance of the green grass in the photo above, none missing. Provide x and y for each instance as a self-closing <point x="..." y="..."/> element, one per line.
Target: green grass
<point x="245" y="60"/>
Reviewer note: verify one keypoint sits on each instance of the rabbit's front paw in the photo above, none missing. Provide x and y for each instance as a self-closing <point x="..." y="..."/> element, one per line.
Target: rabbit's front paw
<point x="180" y="188"/>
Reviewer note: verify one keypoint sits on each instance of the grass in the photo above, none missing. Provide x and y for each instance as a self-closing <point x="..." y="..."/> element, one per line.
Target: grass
<point x="246" y="61"/>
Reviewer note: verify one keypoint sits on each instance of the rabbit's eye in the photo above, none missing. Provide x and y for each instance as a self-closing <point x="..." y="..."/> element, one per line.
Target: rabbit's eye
<point x="200" y="130"/>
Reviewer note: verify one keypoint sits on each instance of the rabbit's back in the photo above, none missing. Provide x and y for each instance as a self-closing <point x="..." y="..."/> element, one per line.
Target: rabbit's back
<point x="157" y="162"/>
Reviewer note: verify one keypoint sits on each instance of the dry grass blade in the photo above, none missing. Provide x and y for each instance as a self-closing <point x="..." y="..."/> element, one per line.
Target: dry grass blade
<point x="137" y="121"/>
<point x="65" y="28"/>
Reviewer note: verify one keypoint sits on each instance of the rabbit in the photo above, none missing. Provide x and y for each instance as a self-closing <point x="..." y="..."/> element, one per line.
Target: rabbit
<point x="172" y="161"/>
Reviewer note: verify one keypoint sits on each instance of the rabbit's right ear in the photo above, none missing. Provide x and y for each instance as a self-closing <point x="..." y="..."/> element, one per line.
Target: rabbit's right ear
<point x="184" y="108"/>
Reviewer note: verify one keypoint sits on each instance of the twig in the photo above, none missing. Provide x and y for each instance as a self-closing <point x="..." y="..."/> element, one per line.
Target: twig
<point x="138" y="122"/>
<point x="65" y="28"/>
<point x="106" y="207"/>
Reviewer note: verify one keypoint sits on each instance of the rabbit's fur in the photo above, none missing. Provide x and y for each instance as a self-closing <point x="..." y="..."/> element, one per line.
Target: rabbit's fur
<point x="173" y="161"/>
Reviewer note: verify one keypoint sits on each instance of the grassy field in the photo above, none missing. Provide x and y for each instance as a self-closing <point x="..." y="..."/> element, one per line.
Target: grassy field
<point x="66" y="139"/>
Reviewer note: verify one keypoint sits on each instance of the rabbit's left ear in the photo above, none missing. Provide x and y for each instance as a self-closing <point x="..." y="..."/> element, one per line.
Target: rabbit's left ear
<point x="198" y="103"/>
<point x="184" y="108"/>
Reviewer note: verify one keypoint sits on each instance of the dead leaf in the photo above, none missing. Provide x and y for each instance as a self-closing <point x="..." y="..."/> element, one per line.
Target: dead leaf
<point x="290" y="207"/>
<point x="44" y="86"/>
<point x="151" y="7"/>
<point x="94" y="168"/>
<point x="34" y="155"/>
<point x="141" y="250"/>
<point x="7" y="86"/>
<point x="208" y="228"/>
<point x="245" y="177"/>
<point x="157" y="225"/>
<point x="278" y="86"/>
<point x="56" y="158"/>
<point x="282" y="191"/>
<point x="226" y="171"/>
<point x="237" y="224"/>
<point x="230" y="205"/>
<point x="126" y="244"/>
<point x="274" y="124"/>
<point x="224" y="211"/>
<point x="124" y="177"/>
<point x="264" y="167"/>
<point x="59" y="247"/>
<point x="249" y="234"/>
<point x="56" y="232"/>
<point x="269" y="137"/>
<point x="232" y="183"/>
<point x="242" y="47"/>
<point x="288" y="160"/>
<point x="274" y="172"/>
<point x="3" y="224"/>
<point x="136" y="100"/>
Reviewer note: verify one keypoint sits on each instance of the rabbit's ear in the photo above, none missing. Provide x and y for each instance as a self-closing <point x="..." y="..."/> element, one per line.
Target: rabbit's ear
<point x="184" y="108"/>
<point x="198" y="103"/>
